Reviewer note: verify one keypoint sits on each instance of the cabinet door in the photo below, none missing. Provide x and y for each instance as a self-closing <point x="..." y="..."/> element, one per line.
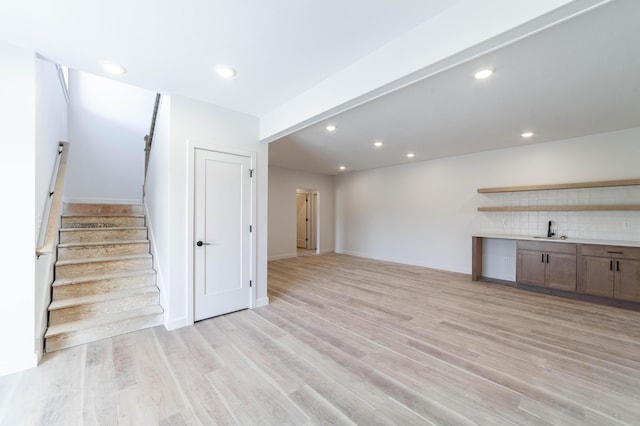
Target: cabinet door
<point x="561" y="271"/>
<point x="531" y="267"/>
<point x="596" y="276"/>
<point x="627" y="280"/>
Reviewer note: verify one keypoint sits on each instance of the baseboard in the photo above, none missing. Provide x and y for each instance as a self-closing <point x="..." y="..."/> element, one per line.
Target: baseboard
<point x="135" y="201"/>
<point x="263" y="301"/>
<point x="156" y="260"/>
<point x="44" y="280"/>
<point x="400" y="262"/>
<point x="176" y="323"/>
<point x="282" y="256"/>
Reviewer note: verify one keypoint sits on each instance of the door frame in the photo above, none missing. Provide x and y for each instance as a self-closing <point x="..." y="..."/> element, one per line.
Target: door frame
<point x="306" y="224"/>
<point x="191" y="213"/>
<point x="313" y="213"/>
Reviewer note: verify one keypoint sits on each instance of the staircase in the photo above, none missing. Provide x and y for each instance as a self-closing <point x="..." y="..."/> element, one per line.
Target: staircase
<point x="105" y="284"/>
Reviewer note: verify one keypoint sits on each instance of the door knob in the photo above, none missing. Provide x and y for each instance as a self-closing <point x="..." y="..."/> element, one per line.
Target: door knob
<point x="200" y="244"/>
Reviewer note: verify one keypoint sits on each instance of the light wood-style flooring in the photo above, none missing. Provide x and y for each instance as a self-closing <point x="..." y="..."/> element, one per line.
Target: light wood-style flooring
<point x="353" y="341"/>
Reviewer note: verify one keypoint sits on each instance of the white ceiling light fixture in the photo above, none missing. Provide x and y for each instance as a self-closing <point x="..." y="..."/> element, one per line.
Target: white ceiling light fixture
<point x="331" y="128"/>
<point x="224" y="71"/>
<point x="378" y="144"/>
<point x="527" y="135"/>
<point x="113" y="68"/>
<point x="342" y="168"/>
<point x="484" y="73"/>
<point x="410" y="155"/>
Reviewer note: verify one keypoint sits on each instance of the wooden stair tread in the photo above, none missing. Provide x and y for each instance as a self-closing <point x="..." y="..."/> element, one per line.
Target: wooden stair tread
<point x="107" y="295"/>
<point x="54" y="330"/>
<point x="102" y="259"/>
<point x="109" y="215"/>
<point x="98" y="277"/>
<point x="102" y="209"/>
<point x="105" y="228"/>
<point x="99" y="243"/>
<point x="102" y="297"/>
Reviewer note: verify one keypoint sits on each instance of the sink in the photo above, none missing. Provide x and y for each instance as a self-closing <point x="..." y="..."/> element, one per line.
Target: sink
<point x="551" y="238"/>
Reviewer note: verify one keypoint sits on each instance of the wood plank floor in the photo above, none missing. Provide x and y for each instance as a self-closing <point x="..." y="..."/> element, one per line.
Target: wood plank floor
<point x="353" y="341"/>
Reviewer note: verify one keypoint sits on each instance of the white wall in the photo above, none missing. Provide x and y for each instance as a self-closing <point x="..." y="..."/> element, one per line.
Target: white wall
<point x="425" y="213"/>
<point x="17" y="174"/>
<point x="156" y="200"/>
<point x="282" y="210"/>
<point x="51" y="128"/>
<point x="107" y="124"/>
<point x="198" y="124"/>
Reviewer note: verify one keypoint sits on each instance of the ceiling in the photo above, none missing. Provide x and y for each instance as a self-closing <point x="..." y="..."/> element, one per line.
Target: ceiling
<point x="576" y="78"/>
<point x="278" y="47"/>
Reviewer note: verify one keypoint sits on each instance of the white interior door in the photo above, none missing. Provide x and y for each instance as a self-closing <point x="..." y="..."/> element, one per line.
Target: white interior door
<point x="222" y="237"/>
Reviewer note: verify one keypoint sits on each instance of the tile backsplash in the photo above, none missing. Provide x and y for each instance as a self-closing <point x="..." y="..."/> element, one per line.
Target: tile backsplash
<point x="601" y="225"/>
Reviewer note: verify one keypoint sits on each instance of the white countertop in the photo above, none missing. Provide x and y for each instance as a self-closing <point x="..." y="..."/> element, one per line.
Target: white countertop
<point x="558" y="240"/>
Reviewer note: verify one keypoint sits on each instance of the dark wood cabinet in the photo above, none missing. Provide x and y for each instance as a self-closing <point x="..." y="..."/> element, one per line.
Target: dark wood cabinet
<point x="531" y="267"/>
<point x="609" y="271"/>
<point x="596" y="276"/>
<point x="547" y="264"/>
<point x="627" y="280"/>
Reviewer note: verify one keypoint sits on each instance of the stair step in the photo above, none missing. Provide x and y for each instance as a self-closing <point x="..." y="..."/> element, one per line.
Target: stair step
<point x="97" y="305"/>
<point x="105" y="283"/>
<point x="68" y="251"/>
<point x="64" y="288"/>
<point x="110" y="221"/>
<point x="102" y="209"/>
<point x="88" y="330"/>
<point x="74" y="268"/>
<point x="81" y="235"/>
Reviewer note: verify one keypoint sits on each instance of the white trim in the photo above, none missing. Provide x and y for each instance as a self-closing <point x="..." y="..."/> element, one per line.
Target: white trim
<point x="282" y="256"/>
<point x="263" y="301"/>
<point x="178" y="323"/>
<point x="190" y="200"/>
<point x="156" y="264"/>
<point x="191" y="147"/>
<point x="44" y="273"/>
<point x="399" y="261"/>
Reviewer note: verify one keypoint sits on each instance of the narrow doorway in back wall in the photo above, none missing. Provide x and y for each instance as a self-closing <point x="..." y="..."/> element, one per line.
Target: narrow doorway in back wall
<point x="307" y="229"/>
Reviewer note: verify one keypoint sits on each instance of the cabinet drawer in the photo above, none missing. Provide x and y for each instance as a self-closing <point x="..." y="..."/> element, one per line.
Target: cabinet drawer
<point x="544" y="246"/>
<point x="610" y="251"/>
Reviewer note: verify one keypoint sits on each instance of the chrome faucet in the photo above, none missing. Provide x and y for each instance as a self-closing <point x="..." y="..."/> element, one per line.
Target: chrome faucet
<point x="549" y="233"/>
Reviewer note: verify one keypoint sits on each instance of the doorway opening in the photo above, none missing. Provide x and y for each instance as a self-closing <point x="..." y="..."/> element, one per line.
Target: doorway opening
<point x="307" y="221"/>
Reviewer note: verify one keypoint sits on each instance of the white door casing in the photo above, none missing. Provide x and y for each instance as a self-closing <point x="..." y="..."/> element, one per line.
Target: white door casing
<point x="302" y="220"/>
<point x="222" y="237"/>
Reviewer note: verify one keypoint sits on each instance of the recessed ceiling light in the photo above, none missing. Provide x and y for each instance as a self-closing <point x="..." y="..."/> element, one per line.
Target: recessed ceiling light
<point x="410" y="155"/>
<point x="330" y="127"/>
<point x="224" y="71"/>
<point x="113" y="68"/>
<point x="377" y="144"/>
<point x="527" y="134"/>
<point x="343" y="167"/>
<point x="483" y="73"/>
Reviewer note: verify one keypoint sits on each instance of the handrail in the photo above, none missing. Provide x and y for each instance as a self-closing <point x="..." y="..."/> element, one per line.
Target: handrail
<point x="55" y="200"/>
<point x="148" y="139"/>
